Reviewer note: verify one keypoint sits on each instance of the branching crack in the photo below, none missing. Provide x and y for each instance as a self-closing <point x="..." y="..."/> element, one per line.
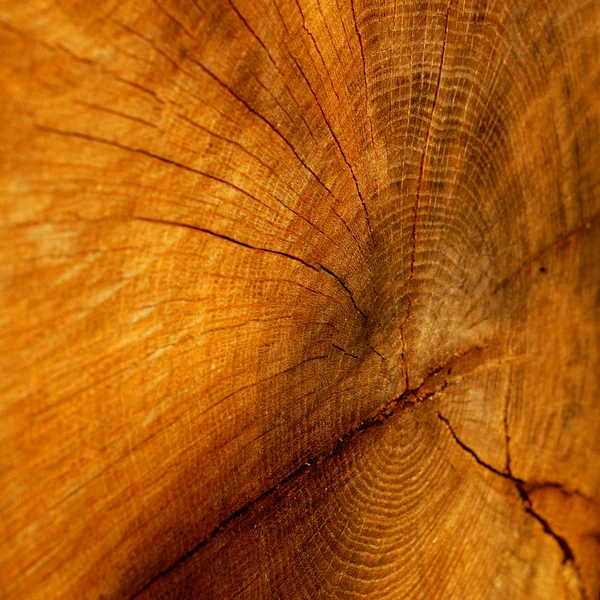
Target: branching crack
<point x="561" y="541"/>
<point x="520" y="487"/>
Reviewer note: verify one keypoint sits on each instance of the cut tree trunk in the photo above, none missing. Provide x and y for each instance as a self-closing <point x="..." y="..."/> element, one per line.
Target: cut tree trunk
<point x="300" y="299"/>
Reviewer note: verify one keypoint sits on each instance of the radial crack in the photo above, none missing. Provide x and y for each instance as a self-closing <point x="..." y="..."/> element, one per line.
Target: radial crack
<point x="337" y="142"/>
<point x="223" y="237"/>
<point x="348" y="291"/>
<point x="419" y="184"/>
<point x="344" y="351"/>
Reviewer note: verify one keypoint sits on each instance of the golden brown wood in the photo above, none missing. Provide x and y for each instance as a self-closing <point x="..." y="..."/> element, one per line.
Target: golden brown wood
<point x="300" y="299"/>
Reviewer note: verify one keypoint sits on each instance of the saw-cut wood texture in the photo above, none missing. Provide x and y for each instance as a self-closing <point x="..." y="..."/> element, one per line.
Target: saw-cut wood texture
<point x="299" y="299"/>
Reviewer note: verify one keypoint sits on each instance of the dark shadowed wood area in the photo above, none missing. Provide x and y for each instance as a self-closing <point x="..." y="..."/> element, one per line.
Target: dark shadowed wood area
<point x="300" y="299"/>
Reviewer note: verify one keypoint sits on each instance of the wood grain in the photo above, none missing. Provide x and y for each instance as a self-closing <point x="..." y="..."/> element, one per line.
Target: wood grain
<point x="299" y="298"/>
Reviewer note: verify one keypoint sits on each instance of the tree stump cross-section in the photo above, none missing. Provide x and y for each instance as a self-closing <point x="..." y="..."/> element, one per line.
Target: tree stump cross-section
<point x="299" y="299"/>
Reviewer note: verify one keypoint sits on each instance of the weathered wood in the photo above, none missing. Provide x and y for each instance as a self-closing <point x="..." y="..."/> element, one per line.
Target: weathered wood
<point x="300" y="299"/>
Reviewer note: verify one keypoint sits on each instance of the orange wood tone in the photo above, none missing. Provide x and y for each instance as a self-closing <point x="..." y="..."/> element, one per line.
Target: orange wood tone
<point x="300" y="299"/>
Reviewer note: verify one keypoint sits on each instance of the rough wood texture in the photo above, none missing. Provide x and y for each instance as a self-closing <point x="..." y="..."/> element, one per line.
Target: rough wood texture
<point x="300" y="298"/>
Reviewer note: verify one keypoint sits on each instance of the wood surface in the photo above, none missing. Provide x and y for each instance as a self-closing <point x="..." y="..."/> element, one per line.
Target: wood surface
<point x="299" y="299"/>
